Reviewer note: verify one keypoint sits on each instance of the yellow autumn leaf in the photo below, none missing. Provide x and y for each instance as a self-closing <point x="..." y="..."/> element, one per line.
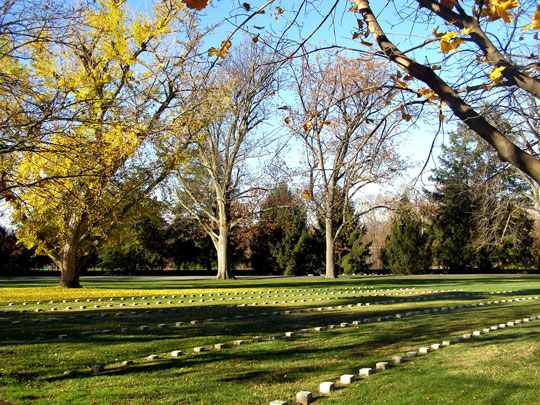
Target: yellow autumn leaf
<point x="450" y="42"/>
<point x="495" y="9"/>
<point x="307" y="126"/>
<point x="401" y="84"/>
<point x="536" y="20"/>
<point x="222" y="53"/>
<point x="496" y="73"/>
<point x="307" y="195"/>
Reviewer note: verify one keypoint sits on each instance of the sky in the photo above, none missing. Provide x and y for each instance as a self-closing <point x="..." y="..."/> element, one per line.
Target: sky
<point x="337" y="30"/>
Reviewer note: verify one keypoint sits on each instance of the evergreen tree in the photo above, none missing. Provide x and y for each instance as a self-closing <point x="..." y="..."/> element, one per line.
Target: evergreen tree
<point x="475" y="196"/>
<point x="407" y="249"/>
<point x="354" y="257"/>
<point x="280" y="227"/>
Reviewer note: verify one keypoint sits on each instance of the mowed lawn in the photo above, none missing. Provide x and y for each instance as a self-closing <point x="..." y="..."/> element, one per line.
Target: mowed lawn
<point x="375" y="319"/>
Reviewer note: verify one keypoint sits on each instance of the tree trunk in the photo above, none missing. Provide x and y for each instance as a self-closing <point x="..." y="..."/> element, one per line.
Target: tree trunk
<point x="223" y="253"/>
<point x="330" y="241"/>
<point x="507" y="150"/>
<point x="68" y="266"/>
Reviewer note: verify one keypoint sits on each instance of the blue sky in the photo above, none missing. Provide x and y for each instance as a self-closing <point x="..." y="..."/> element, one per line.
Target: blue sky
<point x="336" y="30"/>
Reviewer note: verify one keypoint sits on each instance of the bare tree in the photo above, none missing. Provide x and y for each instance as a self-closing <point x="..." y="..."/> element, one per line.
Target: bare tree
<point x="349" y="134"/>
<point x="213" y="185"/>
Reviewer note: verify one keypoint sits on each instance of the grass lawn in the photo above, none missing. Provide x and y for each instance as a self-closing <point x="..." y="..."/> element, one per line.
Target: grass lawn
<point x="499" y="367"/>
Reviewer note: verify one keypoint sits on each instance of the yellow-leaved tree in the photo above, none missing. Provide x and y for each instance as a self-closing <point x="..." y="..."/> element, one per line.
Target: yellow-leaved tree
<point x="25" y="108"/>
<point x="123" y="80"/>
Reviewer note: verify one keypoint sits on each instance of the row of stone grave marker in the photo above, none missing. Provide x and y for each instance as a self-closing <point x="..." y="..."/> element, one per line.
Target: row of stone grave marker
<point x="287" y="312"/>
<point x="272" y="337"/>
<point x="250" y="295"/>
<point x="121" y="305"/>
<point x="326" y="387"/>
<point x="381" y="293"/>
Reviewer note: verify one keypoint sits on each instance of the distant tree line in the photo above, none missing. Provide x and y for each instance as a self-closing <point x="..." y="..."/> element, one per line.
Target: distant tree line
<point x="477" y="217"/>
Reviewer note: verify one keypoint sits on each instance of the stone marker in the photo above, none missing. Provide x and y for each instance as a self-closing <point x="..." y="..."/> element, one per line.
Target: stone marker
<point x="457" y="339"/>
<point x="162" y="325"/>
<point x="238" y="342"/>
<point x="220" y="346"/>
<point x="124" y="330"/>
<point x="152" y="357"/>
<point x="278" y="402"/>
<point x="411" y="354"/>
<point x="446" y="343"/>
<point x="176" y="353"/>
<point x="397" y="360"/>
<point x="424" y="350"/>
<point x="436" y="346"/>
<point x="126" y="363"/>
<point x="382" y="365"/>
<point x="70" y="373"/>
<point x="346" y="379"/>
<point x="273" y="337"/>
<point x="106" y="332"/>
<point x="256" y="339"/>
<point x="304" y="397"/>
<point x="326" y="387"/>
<point x="85" y="334"/>
<point x="477" y="333"/>
<point x="366" y="371"/>
<point x="198" y="349"/>
<point x="486" y="330"/>
<point x="62" y="337"/>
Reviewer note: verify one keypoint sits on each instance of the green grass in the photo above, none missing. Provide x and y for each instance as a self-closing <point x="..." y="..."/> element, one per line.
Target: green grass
<point x="496" y="368"/>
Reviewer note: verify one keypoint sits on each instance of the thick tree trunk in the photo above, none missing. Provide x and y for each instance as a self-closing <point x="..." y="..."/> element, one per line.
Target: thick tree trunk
<point x="68" y="266"/>
<point x="223" y="253"/>
<point x="330" y="248"/>
<point x="507" y="150"/>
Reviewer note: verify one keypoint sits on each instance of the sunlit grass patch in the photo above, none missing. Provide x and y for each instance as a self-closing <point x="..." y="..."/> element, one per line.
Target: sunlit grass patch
<point x="499" y="366"/>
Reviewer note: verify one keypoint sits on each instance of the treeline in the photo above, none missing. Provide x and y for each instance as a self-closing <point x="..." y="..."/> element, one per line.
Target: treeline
<point x="279" y="240"/>
<point x="476" y="216"/>
<point x="479" y="215"/>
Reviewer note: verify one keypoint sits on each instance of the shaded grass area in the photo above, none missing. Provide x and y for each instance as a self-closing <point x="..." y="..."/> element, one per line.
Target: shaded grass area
<point x="500" y="367"/>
